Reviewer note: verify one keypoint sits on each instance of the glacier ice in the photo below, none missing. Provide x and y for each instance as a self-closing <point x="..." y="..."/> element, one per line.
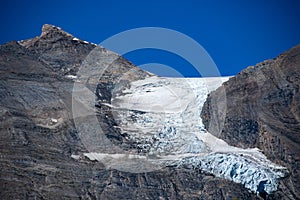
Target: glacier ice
<point x="236" y="168"/>
<point x="162" y="117"/>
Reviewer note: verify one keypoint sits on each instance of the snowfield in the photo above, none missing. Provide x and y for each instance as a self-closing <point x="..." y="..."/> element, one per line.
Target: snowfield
<point x="162" y="116"/>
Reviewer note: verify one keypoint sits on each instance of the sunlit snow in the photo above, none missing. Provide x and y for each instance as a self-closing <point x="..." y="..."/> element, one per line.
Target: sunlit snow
<point x="71" y="76"/>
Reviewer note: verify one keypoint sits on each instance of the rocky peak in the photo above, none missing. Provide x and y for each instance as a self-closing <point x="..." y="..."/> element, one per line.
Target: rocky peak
<point x="49" y="28"/>
<point x="52" y="30"/>
<point x="50" y="35"/>
<point x="58" y="49"/>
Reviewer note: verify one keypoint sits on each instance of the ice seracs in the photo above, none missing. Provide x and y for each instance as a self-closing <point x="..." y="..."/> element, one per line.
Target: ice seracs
<point x="237" y="168"/>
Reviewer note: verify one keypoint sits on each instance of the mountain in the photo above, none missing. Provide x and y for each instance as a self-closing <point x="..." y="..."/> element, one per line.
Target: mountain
<point x="80" y="122"/>
<point x="263" y="111"/>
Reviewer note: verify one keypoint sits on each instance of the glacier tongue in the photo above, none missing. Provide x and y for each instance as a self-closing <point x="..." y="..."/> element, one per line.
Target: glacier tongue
<point x="237" y="168"/>
<point x="162" y="116"/>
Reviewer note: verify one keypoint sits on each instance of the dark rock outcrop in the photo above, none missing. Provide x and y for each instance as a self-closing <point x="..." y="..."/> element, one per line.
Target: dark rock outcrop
<point x="263" y="110"/>
<point x="38" y="136"/>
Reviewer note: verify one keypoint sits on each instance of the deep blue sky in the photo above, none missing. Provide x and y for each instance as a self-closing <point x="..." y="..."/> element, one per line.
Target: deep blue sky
<point x="235" y="33"/>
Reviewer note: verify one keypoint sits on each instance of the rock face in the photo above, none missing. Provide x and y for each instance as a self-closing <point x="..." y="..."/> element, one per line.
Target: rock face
<point x="263" y="110"/>
<point x="41" y="152"/>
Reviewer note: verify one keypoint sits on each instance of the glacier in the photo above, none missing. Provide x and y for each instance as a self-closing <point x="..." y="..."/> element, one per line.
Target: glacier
<point x="162" y="118"/>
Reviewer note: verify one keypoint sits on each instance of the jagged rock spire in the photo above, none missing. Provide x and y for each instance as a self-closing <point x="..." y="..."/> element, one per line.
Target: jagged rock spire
<point x="49" y="35"/>
<point x="50" y="29"/>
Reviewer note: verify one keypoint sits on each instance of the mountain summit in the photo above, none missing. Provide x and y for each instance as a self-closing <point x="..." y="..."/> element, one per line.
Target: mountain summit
<point x="49" y="29"/>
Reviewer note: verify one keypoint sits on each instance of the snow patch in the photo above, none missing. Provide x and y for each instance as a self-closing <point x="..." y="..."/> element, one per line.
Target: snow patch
<point x="53" y="120"/>
<point x="76" y="157"/>
<point x="71" y="76"/>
